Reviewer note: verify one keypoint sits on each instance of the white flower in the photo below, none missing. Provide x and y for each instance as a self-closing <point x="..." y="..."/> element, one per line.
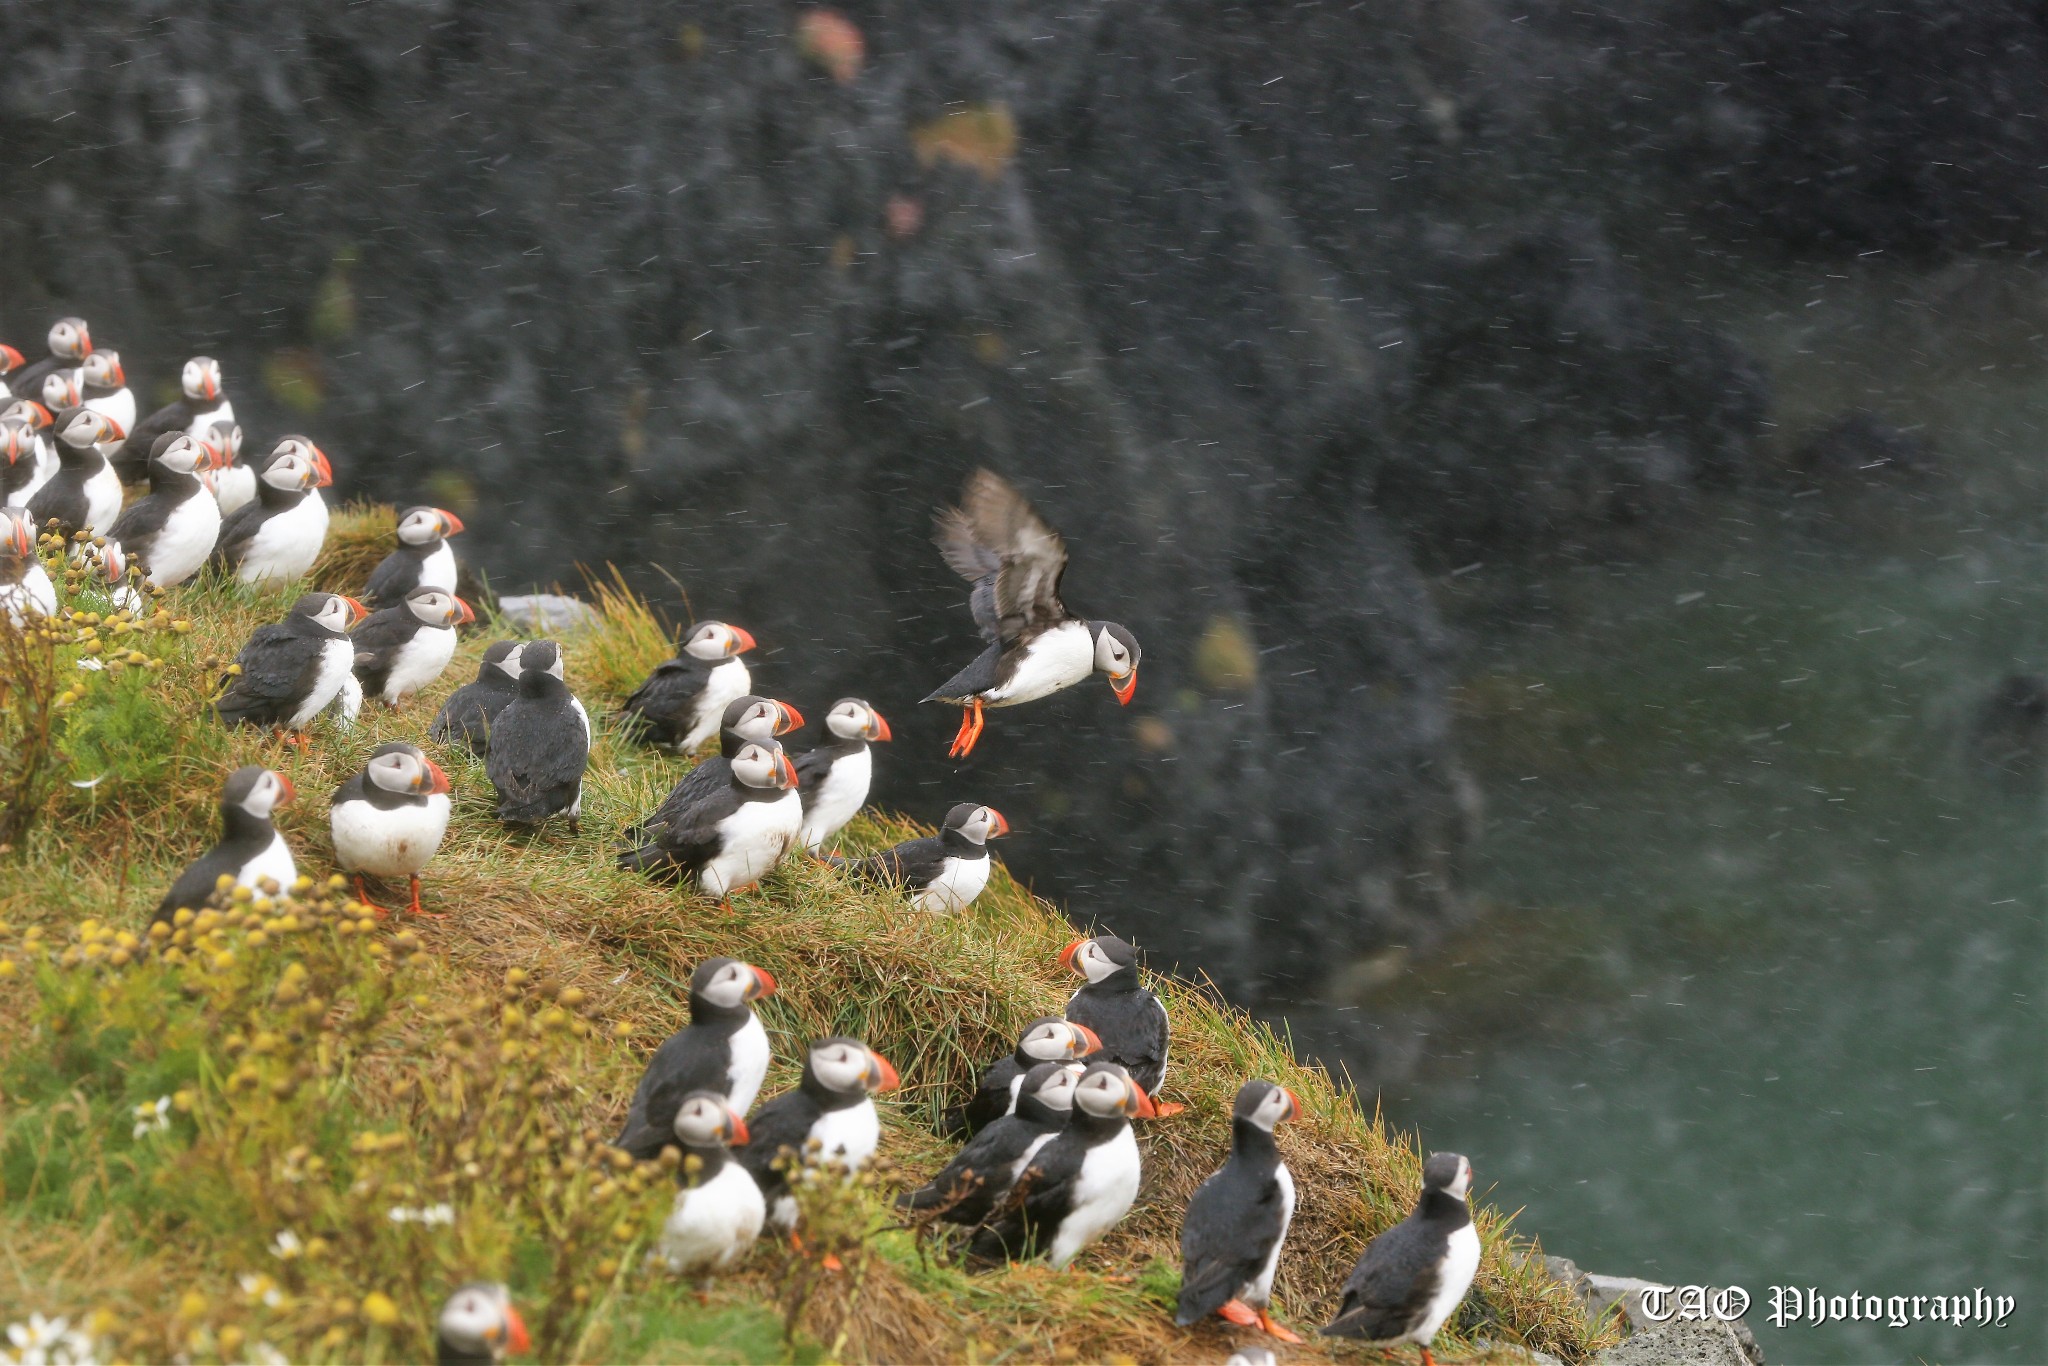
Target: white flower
<point x="430" y="1216"/>
<point x="48" y="1342"/>
<point x="92" y="664"/>
<point x="263" y="1354"/>
<point x="153" y="1118"/>
<point x="261" y="1288"/>
<point x="286" y="1245"/>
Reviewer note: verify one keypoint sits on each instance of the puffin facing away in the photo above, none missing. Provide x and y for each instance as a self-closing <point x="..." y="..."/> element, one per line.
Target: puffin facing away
<point x="404" y="648"/>
<point x="943" y="872"/>
<point x="172" y="528"/>
<point x="388" y="819"/>
<point x="996" y="542"/>
<point x="479" y="1327"/>
<point x="540" y="744"/>
<point x="465" y="718"/>
<point x="25" y="588"/>
<point x="1049" y="1039"/>
<point x="718" y="1210"/>
<point x="830" y="1107"/>
<point x="194" y="411"/>
<point x="969" y="1188"/>
<point x="833" y="778"/>
<point x="423" y="558"/>
<point x="680" y="703"/>
<point x="277" y="537"/>
<point x="292" y="670"/>
<point x="250" y="848"/>
<point x="722" y="1049"/>
<point x="1237" y="1220"/>
<point x="1410" y="1279"/>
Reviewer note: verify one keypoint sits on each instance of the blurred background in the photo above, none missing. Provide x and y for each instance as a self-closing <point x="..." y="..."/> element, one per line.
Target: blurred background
<point x="1575" y="469"/>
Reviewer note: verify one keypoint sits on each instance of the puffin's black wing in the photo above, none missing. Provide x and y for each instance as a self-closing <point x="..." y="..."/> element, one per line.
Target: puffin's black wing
<point x="991" y="1099"/>
<point x="377" y="642"/>
<point x="913" y="863"/>
<point x="811" y="767"/>
<point x="782" y="1125"/>
<point x="1391" y="1286"/>
<point x="465" y="718"/>
<point x="684" y="1063"/>
<point x="236" y="532"/>
<point x="538" y="754"/>
<point x="995" y="532"/>
<point x="1230" y="1227"/>
<point x="682" y="834"/>
<point x="277" y="667"/>
<point x="172" y="417"/>
<point x="1030" y="1214"/>
<point x="969" y="1186"/>
<point x="661" y="708"/>
<point x="195" y="886"/>
<point x="395" y="575"/>
<point x="141" y="520"/>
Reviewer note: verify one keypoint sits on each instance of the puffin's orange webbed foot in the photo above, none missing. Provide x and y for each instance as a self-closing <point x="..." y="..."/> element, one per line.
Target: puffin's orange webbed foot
<point x="363" y="895"/>
<point x="416" y="909"/>
<point x="1275" y="1330"/>
<point x="1238" y="1312"/>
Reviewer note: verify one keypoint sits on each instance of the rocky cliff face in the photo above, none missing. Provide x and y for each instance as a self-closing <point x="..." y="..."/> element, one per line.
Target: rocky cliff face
<point x="1274" y="311"/>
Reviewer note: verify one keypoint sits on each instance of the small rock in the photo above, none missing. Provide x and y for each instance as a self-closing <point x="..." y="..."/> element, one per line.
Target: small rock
<point x="547" y="612"/>
<point x="1694" y="1343"/>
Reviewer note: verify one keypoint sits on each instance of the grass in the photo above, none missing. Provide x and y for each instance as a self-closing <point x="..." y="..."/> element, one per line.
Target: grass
<point x="323" y="1070"/>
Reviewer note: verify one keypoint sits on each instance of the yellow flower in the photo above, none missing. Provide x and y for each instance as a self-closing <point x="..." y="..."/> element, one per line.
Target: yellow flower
<point x="379" y="1309"/>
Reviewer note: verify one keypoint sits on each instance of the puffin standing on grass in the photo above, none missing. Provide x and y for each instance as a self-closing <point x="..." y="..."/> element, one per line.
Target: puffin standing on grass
<point x="718" y="1210"/>
<point x="25" y="588"/>
<point x="830" y="1107"/>
<point x="726" y="839"/>
<point x="70" y="342"/>
<point x="479" y="1327"/>
<point x="945" y="872"/>
<point x="388" y="820"/>
<point x="194" y="411"/>
<point x="996" y="542"/>
<point x="722" y="1049"/>
<point x="970" y="1187"/>
<point x="405" y="648"/>
<point x="1125" y="1015"/>
<point x="833" y="778"/>
<point x="1409" y="1280"/>
<point x="540" y="744"/>
<point x="292" y="670"/>
<point x="680" y="704"/>
<point x="85" y="493"/>
<point x="423" y="558"/>
<point x="277" y="537"/>
<point x="1049" y="1039"/>
<point x="250" y="847"/>
<point x="1237" y="1220"/>
<point x="1077" y="1186"/>
<point x="172" y="529"/>
<point x="465" y="718"/>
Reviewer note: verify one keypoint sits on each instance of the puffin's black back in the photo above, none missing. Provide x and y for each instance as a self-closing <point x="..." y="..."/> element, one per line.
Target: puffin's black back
<point x="697" y="1057"/>
<point x="1397" y="1274"/>
<point x="1233" y="1220"/>
<point x="1128" y="1018"/>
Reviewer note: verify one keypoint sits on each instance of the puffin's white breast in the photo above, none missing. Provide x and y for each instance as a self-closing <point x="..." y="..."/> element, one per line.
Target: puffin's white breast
<point x="750" y="1055"/>
<point x="960" y="880"/>
<point x="418" y="662"/>
<point x="1058" y="659"/>
<point x="337" y="662"/>
<point x="728" y="680"/>
<point x="1461" y="1262"/>
<point x="712" y="1224"/>
<point x="388" y="842"/>
<point x="184" y="541"/>
<point x="286" y="545"/>
<point x="1102" y="1193"/>
<point x="275" y="862"/>
<point x="839" y="797"/>
<point x="754" y="838"/>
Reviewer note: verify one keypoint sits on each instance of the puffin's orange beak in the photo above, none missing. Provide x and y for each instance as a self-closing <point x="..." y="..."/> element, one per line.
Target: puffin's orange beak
<point x="119" y="376"/>
<point x="115" y="431"/>
<point x="84" y="343"/>
<point x="890" y="1081"/>
<point x="39" y="413"/>
<point x="437" y="780"/>
<point x="451" y="525"/>
<point x="356" y="611"/>
<point x="326" y="470"/>
<point x="792" y="719"/>
<point x="742" y="641"/>
<point x="741" y="1136"/>
<point x="1293" y="1104"/>
<point x="764" y="985"/>
<point x="880" y="729"/>
<point x="290" y="793"/>
<point x="516" y="1340"/>
<point x="467" y="613"/>
<point x="788" y="771"/>
<point x="1002" y="826"/>
<point x="23" y="537"/>
<point x="1089" y="1037"/>
<point x="1067" y="955"/>
<point x="10" y="359"/>
<point x="1124" y="685"/>
<point x="1141" y="1106"/>
<point x="211" y="386"/>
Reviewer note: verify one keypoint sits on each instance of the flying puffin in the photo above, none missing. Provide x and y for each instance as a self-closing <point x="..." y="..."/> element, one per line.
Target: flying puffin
<point x="967" y="1191"/>
<point x="479" y="1327"/>
<point x="833" y="778"/>
<point x="70" y="342"/>
<point x="172" y="528"/>
<point x="1230" y="1240"/>
<point x="194" y="412"/>
<point x="1410" y="1279"/>
<point x="727" y="838"/>
<point x="1050" y="1039"/>
<point x="997" y="542"/>
<point x="680" y="703"/>
<point x="233" y="484"/>
<point x="423" y="558"/>
<point x="540" y="744"/>
<point x="24" y="470"/>
<point x="1125" y="1015"/>
<point x="25" y="587"/>
<point x="943" y="872"/>
<point x="723" y="1049"/>
<point x="1077" y="1186"/>
<point x="718" y="1210"/>
<point x="250" y="848"/>
<point x="389" y="818"/>
<point x="830" y="1106"/>
<point x="292" y="670"/>
<point x="405" y="648"/>
<point x="85" y="493"/>
<point x="277" y="537"/>
<point x="465" y="718"/>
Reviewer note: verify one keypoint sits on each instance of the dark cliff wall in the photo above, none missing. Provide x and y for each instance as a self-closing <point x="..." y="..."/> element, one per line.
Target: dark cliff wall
<point x="1273" y="310"/>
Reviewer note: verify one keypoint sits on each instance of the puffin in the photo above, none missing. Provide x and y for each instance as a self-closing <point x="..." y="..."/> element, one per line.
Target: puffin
<point x="110" y="572"/>
<point x="193" y="412"/>
<point x="746" y="718"/>
<point x="63" y="389"/>
<point x="680" y="704"/>
<point x="11" y="360"/>
<point x="105" y="387"/>
<point x="405" y="648"/>
<point x="85" y="493"/>
<point x="1125" y="1015"/>
<point x="277" y="537"/>
<point x="25" y="588"/>
<point x="423" y="558"/>
<point x="479" y="1327"/>
<point x="389" y="818"/>
<point x="1237" y="1220"/>
<point x="723" y="1049"/>
<point x="1410" y="1279"/>
<point x="1014" y="560"/>
<point x="233" y="484"/>
<point x="465" y="718"/>
<point x="172" y="528"/>
<point x="540" y="744"/>
<point x="70" y="342"/>
<point x="1076" y="1187"/>
<point x="830" y="1107"/>
<point x="1047" y="1039"/>
<point x="833" y="778"/>
<point x="969" y="1187"/>
<point x="292" y="670"/>
<point x="23" y="466"/>
<point x="718" y="1210"/>
<point x="725" y="839"/>
<point x="250" y="848"/>
<point x="943" y="872"/>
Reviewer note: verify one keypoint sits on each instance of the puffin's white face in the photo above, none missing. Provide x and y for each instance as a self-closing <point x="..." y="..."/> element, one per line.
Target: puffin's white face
<point x="17" y="532"/>
<point x="1056" y="1040"/>
<point x="704" y="1120"/>
<point x="1111" y="655"/>
<point x="985" y="824"/>
<point x="1276" y="1106"/>
<point x="63" y="389"/>
<point x="103" y="370"/>
<point x="853" y="719"/>
<point x="88" y="428"/>
<point x="28" y="411"/>
<point x="201" y="379"/>
<point x="292" y="472"/>
<point x="230" y="435"/>
<point x="184" y="455"/>
<point x="337" y="613"/>
<point x="1459" y="1188"/>
<point x="307" y="456"/>
<point x="406" y="771"/>
<point x="113" y="562"/>
<point x="765" y="718"/>
<point x="737" y="983"/>
<point x="1057" y="1091"/>
<point x="759" y="765"/>
<point x="271" y="791"/>
<point x="846" y="1067"/>
<point x="70" y="338"/>
<point x="510" y="663"/>
<point x="17" y="440"/>
<point x="479" y="1320"/>
<point x="1106" y="1090"/>
<point x="716" y="640"/>
<point x="437" y="607"/>
<point x="424" y="525"/>
<point x="1092" y="961"/>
